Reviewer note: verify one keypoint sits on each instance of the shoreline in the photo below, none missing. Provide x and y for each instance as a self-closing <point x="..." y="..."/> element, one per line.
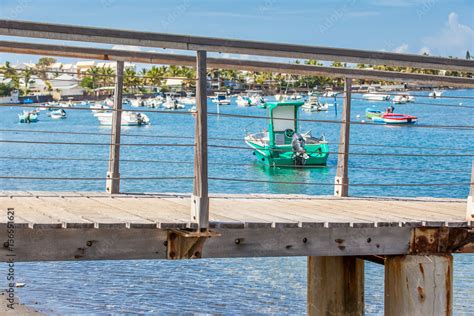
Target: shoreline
<point x="19" y="308"/>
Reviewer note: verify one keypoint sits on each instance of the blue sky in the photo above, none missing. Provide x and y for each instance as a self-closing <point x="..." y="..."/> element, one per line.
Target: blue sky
<point x="440" y="27"/>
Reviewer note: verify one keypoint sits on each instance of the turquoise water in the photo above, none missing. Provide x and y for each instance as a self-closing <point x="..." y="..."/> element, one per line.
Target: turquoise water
<point x="260" y="285"/>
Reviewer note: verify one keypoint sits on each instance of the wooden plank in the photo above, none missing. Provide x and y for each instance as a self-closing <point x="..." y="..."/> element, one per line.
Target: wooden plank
<point x="100" y="215"/>
<point x="157" y="211"/>
<point x="200" y="197"/>
<point x="113" y="172"/>
<point x="341" y="182"/>
<point x="48" y="207"/>
<point x="25" y="212"/>
<point x="138" y="38"/>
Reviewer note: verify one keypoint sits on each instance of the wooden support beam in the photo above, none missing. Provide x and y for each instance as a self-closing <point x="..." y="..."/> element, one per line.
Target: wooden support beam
<point x="226" y="63"/>
<point x="470" y="198"/>
<point x="113" y="173"/>
<point x="335" y="286"/>
<point x="419" y="285"/>
<point x="341" y="185"/>
<point x="184" y="42"/>
<point x="200" y="198"/>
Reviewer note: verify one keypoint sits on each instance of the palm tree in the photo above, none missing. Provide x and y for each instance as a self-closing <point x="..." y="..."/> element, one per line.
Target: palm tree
<point x="91" y="80"/>
<point x="131" y="80"/>
<point x="27" y="73"/>
<point x="155" y="75"/>
<point x="11" y="73"/>
<point x="106" y="76"/>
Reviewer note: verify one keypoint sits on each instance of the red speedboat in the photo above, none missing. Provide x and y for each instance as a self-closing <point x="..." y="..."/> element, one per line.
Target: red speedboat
<point x="395" y="118"/>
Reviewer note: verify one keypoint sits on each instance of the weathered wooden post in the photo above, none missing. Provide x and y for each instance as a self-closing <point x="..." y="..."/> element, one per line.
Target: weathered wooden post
<point x="200" y="198"/>
<point x="470" y="198"/>
<point x="113" y="173"/>
<point x="419" y="285"/>
<point x="341" y="185"/>
<point x="335" y="286"/>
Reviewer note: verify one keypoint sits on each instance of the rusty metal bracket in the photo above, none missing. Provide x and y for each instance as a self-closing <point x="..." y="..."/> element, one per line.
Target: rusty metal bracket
<point x="430" y="240"/>
<point x="185" y="244"/>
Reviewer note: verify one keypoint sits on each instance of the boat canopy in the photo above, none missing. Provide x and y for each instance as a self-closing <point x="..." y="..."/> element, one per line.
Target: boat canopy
<point x="283" y="122"/>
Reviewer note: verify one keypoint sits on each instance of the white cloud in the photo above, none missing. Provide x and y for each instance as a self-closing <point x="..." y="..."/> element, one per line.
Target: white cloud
<point x="454" y="39"/>
<point x="402" y="49"/>
<point x="127" y="47"/>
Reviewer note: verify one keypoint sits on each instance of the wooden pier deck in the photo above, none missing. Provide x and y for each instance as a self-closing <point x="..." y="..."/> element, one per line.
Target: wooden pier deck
<point x="89" y="225"/>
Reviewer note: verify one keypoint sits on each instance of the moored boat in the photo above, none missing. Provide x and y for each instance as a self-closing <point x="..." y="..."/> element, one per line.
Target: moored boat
<point x="435" y="94"/>
<point x="313" y="104"/>
<point x="282" y="145"/>
<point x="373" y="95"/>
<point x="28" y="117"/>
<point x="371" y="113"/>
<point x="395" y="118"/>
<point x="58" y="114"/>
<point x="128" y="118"/>
<point x="221" y="98"/>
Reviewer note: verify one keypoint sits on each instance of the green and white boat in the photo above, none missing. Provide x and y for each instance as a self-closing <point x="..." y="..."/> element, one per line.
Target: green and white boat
<point x="282" y="145"/>
<point x="28" y="117"/>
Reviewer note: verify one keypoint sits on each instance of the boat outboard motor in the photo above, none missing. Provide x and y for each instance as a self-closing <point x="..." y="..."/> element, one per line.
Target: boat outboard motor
<point x="299" y="152"/>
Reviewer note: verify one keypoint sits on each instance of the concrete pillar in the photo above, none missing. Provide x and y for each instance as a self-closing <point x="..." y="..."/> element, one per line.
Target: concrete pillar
<point x="419" y="285"/>
<point x="335" y="286"/>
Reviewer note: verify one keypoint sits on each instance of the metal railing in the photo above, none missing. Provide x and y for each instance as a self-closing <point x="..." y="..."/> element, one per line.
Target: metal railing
<point x="200" y="195"/>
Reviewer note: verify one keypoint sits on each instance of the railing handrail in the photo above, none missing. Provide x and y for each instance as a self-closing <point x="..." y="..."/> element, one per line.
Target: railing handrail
<point x="227" y="63"/>
<point x="185" y="42"/>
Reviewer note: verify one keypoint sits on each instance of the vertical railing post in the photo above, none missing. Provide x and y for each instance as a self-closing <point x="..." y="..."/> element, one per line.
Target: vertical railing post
<point x="470" y="198"/>
<point x="200" y="198"/>
<point x="341" y="186"/>
<point x="113" y="173"/>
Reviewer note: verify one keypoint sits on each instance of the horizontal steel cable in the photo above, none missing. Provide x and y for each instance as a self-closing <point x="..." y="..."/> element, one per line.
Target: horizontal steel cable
<point x="415" y="102"/>
<point x="190" y="162"/>
<point x="350" y="184"/>
<point x="95" y="179"/>
<point x="94" y="144"/>
<point x="222" y="138"/>
<point x="462" y="127"/>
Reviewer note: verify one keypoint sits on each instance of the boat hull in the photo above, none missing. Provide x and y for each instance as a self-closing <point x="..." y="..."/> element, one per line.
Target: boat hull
<point x="284" y="157"/>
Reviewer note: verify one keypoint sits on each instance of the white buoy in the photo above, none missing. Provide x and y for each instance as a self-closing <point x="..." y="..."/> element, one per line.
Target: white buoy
<point x="358" y="116"/>
<point x="460" y="103"/>
<point x="363" y="121"/>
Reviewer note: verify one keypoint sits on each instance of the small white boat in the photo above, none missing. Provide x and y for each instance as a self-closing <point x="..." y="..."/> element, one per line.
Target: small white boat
<point x="403" y="98"/>
<point x="221" y="98"/>
<point x="189" y="99"/>
<point x="329" y="94"/>
<point x="436" y="94"/>
<point x="372" y="95"/>
<point x="243" y="101"/>
<point x="99" y="108"/>
<point x="137" y="102"/>
<point x="128" y="118"/>
<point x="155" y="102"/>
<point x="58" y="114"/>
<point x="313" y="104"/>
<point x="172" y="104"/>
